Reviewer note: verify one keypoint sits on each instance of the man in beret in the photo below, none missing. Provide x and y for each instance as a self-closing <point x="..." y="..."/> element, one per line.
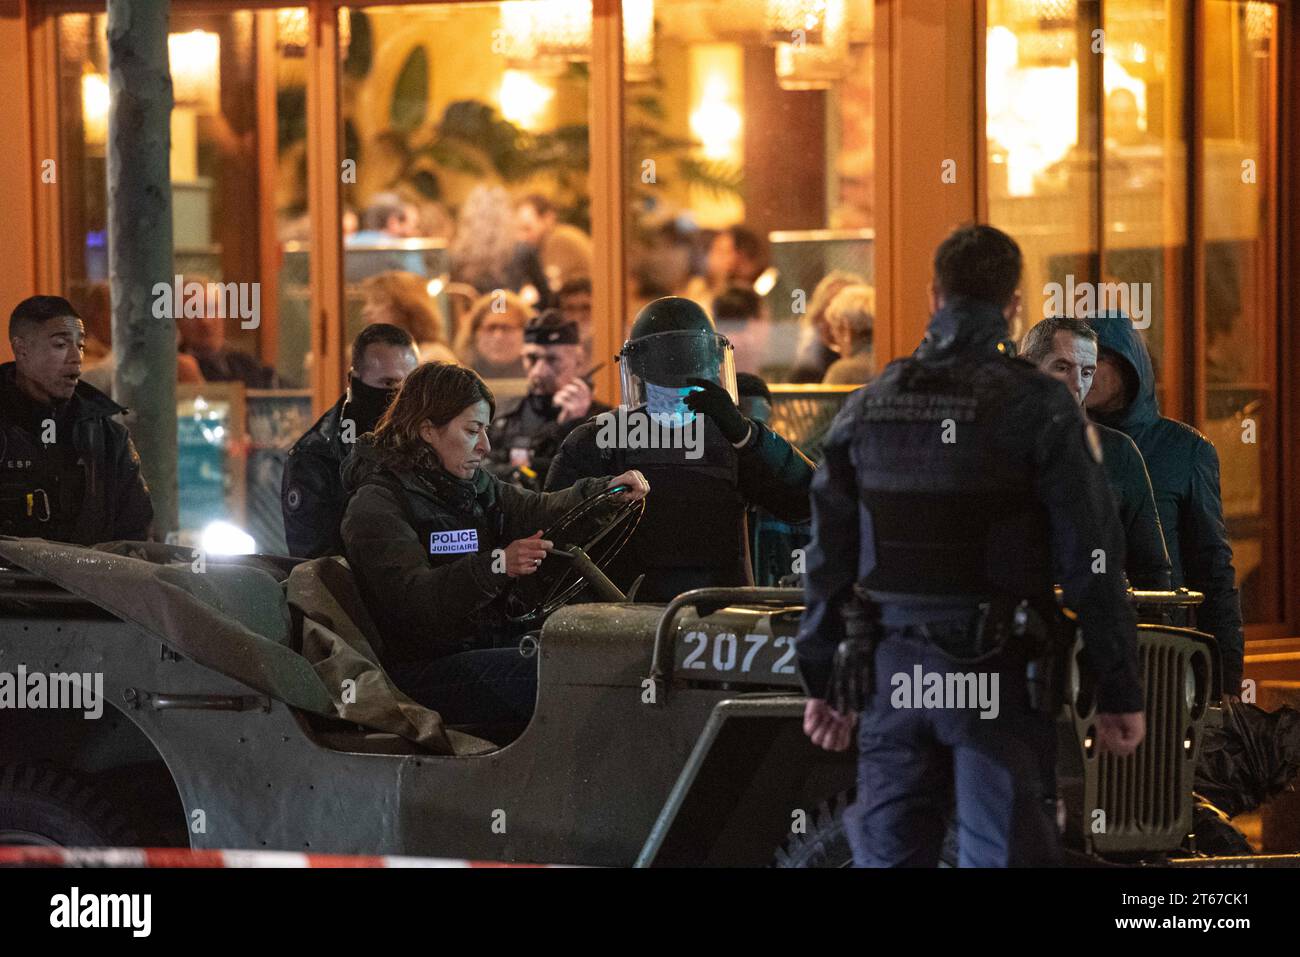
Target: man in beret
<point x="527" y="431"/>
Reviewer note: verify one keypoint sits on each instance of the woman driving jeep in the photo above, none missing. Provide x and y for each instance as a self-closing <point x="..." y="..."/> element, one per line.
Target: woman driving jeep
<point x="434" y="539"/>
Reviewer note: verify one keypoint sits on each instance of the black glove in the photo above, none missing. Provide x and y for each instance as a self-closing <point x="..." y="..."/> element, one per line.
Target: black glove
<point x="715" y="402"/>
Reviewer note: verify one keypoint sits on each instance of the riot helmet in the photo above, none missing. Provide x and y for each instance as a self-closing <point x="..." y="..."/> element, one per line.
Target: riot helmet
<point x="673" y="341"/>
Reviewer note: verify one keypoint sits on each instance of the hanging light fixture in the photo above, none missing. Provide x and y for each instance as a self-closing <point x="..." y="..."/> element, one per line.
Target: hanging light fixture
<point x="516" y="39"/>
<point x="816" y="66"/>
<point x="196" y="69"/>
<point x="563" y="29"/>
<point x="1045" y="31"/>
<point x="786" y="18"/>
<point x="292" y="31"/>
<point x="638" y="40"/>
<point x="1259" y="21"/>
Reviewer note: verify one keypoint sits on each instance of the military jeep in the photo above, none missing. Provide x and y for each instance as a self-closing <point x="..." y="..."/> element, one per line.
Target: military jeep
<point x="663" y="735"/>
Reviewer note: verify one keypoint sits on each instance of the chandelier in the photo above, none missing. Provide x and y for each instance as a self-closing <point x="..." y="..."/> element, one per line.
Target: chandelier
<point x="786" y="17"/>
<point x="543" y="37"/>
<point x="1045" y="31"/>
<point x="1259" y="21"/>
<point x="562" y="29"/>
<point x="816" y="66"/>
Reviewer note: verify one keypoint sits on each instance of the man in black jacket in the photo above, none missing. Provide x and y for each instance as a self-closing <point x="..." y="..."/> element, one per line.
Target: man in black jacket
<point x="68" y="471"/>
<point x="1184" y="471"/>
<point x="311" y="491"/>
<point x="706" y="463"/>
<point x="528" y="430"/>
<point x="1066" y="349"/>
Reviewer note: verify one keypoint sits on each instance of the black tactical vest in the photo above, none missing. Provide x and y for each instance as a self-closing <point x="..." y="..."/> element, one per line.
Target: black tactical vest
<point x="41" y="487"/>
<point x="693" y="533"/>
<point x="945" y="480"/>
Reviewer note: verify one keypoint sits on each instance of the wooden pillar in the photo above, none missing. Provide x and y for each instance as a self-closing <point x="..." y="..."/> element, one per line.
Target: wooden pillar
<point x="608" y="194"/>
<point x="929" y="112"/>
<point x="324" y="172"/>
<point x="140" y="239"/>
<point x="18" y="192"/>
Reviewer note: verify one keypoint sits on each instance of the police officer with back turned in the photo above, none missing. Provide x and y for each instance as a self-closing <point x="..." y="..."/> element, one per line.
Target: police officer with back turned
<point x="955" y="490"/>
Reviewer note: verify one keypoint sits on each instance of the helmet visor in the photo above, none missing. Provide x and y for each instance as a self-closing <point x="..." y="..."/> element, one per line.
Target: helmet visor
<point x="651" y="366"/>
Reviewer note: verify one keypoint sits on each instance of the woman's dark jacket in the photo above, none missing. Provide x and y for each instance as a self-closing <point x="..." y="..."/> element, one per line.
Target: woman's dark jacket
<point x="420" y="543"/>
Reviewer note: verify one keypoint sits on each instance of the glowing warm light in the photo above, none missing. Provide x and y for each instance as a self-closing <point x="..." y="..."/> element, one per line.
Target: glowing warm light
<point x="94" y="107"/>
<point x="291" y="27"/>
<point x="196" y="69"/>
<point x="435" y="287"/>
<point x="563" y="29"/>
<point x="715" y="121"/>
<point x="1259" y="20"/>
<point x="523" y="100"/>
<point x="638" y="39"/>
<point x="787" y="18"/>
<point x="815" y="66"/>
<point x="293" y="33"/>
<point x="1032" y="111"/>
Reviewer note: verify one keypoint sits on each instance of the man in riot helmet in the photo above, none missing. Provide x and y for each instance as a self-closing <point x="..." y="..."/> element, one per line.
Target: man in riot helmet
<point x="954" y="492"/>
<point x="706" y="462"/>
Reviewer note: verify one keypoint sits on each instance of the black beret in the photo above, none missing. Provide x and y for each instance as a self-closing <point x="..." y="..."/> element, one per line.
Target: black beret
<point x="552" y="329"/>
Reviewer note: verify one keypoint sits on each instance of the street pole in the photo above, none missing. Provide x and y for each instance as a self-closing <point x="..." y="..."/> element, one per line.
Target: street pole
<point x="140" y="239"/>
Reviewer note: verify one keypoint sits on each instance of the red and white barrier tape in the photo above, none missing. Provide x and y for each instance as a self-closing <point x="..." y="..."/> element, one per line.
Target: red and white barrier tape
<point x="184" y="857"/>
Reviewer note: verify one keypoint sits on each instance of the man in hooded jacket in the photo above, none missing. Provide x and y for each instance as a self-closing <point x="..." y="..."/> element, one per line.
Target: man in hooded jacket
<point x="1184" y="469"/>
<point x="1066" y="349"/>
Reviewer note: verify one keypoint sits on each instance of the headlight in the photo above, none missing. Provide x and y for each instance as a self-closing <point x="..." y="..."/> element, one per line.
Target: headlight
<point x="222" y="538"/>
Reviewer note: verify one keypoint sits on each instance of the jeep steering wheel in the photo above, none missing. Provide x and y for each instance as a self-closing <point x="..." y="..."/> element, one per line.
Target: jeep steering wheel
<point x="587" y="537"/>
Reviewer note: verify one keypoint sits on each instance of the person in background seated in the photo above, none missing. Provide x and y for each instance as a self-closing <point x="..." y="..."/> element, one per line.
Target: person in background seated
<point x="741" y="316"/>
<point x="434" y="540"/>
<point x="68" y="471"/>
<point x="311" y="491"/>
<point x="402" y="299"/>
<point x="851" y="317"/>
<point x="574" y="302"/>
<point x="528" y="431"/>
<point x="204" y="338"/>
<point x="814" y="354"/>
<point x="491" y="337"/>
<point x="737" y="257"/>
<point x="563" y="250"/>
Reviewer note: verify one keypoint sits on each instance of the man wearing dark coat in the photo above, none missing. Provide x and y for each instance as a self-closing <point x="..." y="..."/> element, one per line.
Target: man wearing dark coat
<point x="1184" y="469"/>
<point x="311" y="491"/>
<point x="1066" y="349"/>
<point x="68" y="469"/>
